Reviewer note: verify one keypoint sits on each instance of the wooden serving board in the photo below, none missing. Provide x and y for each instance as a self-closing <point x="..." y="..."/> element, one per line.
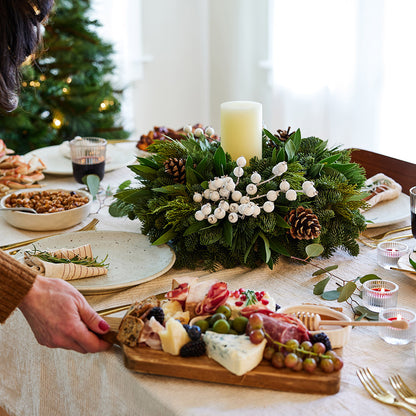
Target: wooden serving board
<point x="148" y="361"/>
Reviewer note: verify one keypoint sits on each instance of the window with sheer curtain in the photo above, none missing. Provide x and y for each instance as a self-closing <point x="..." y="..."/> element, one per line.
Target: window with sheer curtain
<point x="346" y="70"/>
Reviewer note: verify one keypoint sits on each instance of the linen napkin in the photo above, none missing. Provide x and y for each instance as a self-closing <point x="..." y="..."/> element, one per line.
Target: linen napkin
<point x="65" y="271"/>
<point x="381" y="188"/>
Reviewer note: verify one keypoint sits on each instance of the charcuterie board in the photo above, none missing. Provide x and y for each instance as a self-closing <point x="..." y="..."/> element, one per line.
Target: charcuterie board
<point x="148" y="361"/>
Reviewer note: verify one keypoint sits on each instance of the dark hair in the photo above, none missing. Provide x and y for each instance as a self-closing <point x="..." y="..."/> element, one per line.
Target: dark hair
<point x="20" y="34"/>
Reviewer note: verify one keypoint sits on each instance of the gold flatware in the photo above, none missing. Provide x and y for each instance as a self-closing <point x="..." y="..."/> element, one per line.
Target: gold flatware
<point x="403" y="270"/>
<point x="402" y="390"/>
<point x="386" y="233"/>
<point x="90" y="226"/>
<point x="378" y="392"/>
<point x="373" y="243"/>
<point x="115" y="309"/>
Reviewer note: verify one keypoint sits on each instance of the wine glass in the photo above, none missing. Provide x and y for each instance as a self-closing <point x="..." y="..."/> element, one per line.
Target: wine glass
<point x="88" y="157"/>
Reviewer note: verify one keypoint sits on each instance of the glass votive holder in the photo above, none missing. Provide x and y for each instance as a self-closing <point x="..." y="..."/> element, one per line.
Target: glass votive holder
<point x="380" y="294"/>
<point x="389" y="253"/>
<point x="397" y="336"/>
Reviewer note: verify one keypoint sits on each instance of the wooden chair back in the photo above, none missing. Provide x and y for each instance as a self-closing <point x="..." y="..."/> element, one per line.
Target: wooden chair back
<point x="402" y="172"/>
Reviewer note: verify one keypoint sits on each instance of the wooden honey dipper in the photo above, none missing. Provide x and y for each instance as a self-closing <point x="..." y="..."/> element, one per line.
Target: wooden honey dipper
<point x="313" y="321"/>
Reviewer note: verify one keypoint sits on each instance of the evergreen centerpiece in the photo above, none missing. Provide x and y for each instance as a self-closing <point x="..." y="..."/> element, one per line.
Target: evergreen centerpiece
<point x="216" y="212"/>
<point x="66" y="92"/>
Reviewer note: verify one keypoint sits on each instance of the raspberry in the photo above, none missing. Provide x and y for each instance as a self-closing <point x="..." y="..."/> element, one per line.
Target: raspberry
<point x="321" y="337"/>
<point x="193" y="348"/>
<point x="157" y="313"/>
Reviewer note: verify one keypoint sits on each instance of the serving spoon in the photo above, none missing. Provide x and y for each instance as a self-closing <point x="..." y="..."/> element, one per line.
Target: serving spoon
<point x="23" y="209"/>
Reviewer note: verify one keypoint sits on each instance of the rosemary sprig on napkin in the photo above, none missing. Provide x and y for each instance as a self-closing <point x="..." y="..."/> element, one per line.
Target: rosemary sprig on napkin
<point x="84" y="261"/>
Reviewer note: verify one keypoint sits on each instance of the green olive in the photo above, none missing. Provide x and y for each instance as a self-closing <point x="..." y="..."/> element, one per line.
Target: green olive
<point x="239" y="324"/>
<point x="221" y="326"/>
<point x="226" y="310"/>
<point x="215" y="318"/>
<point x="203" y="324"/>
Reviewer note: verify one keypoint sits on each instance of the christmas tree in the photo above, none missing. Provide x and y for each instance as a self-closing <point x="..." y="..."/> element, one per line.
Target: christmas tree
<point x="66" y="91"/>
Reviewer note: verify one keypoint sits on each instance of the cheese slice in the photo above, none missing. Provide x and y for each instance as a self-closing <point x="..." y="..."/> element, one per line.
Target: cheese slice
<point x="174" y="337"/>
<point x="234" y="352"/>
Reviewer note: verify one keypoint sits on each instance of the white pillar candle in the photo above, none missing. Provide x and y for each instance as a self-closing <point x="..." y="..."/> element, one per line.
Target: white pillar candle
<point x="241" y="129"/>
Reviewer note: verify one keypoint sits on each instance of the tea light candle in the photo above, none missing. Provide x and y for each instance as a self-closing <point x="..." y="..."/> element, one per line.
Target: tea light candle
<point x="380" y="294"/>
<point x="241" y="129"/>
<point x="389" y="252"/>
<point x="394" y="335"/>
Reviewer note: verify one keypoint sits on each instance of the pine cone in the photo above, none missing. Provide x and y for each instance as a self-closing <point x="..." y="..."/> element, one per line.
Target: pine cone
<point x="304" y="224"/>
<point x="283" y="135"/>
<point x="176" y="168"/>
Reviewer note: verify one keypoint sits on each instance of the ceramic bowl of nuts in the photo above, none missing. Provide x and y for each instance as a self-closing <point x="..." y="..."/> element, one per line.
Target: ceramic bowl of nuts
<point x="55" y="209"/>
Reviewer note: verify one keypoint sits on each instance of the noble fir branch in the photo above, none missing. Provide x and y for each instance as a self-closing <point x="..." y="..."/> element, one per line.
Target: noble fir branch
<point x="166" y="149"/>
<point x="174" y="209"/>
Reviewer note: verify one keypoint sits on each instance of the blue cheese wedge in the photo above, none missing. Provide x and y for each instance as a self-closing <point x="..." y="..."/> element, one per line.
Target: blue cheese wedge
<point x="234" y="352"/>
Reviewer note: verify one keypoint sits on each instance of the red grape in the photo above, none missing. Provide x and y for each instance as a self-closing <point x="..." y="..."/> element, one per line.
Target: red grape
<point x="256" y="321"/>
<point x="256" y="336"/>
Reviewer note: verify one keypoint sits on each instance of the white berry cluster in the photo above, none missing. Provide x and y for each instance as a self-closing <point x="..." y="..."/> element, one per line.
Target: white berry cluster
<point x="222" y="198"/>
<point x="209" y="131"/>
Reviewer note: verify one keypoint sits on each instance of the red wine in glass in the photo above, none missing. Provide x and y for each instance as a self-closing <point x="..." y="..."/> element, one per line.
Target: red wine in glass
<point x="413" y="219"/>
<point x="88" y="165"/>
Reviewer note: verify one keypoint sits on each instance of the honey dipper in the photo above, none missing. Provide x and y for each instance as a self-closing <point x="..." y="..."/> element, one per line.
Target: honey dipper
<point x="313" y="321"/>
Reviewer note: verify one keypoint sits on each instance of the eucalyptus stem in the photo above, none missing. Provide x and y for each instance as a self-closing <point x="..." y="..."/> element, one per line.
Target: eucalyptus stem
<point x="320" y="268"/>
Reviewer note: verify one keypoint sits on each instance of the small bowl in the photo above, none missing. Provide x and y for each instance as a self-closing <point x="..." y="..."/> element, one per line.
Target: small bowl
<point x="338" y="335"/>
<point x="46" y="221"/>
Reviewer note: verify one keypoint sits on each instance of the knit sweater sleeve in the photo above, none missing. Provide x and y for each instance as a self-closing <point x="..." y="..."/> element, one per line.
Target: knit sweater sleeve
<point x="16" y="279"/>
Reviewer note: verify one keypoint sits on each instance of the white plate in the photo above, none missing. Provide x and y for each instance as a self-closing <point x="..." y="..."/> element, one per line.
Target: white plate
<point x="131" y="257"/>
<point x="403" y="263"/>
<point x="389" y="212"/>
<point x="57" y="164"/>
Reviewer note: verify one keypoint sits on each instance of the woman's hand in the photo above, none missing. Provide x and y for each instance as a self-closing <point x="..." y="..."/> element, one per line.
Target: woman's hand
<point x="60" y="317"/>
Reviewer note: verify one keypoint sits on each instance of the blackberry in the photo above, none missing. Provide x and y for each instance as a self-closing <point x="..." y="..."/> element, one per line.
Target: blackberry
<point x="157" y="313"/>
<point x="321" y="337"/>
<point x="193" y="348"/>
<point x="194" y="331"/>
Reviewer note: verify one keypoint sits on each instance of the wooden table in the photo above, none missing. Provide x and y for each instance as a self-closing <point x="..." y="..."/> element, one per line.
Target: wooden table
<point x="36" y="380"/>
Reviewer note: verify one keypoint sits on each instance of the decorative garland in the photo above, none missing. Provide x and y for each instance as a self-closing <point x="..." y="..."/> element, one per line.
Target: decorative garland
<point x="217" y="212"/>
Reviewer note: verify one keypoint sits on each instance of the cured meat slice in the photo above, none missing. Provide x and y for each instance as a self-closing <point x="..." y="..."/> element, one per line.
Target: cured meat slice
<point x="217" y="295"/>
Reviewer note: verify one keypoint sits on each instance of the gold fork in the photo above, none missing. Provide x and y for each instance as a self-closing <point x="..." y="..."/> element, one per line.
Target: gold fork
<point x="377" y="391"/>
<point x="374" y="243"/>
<point x="402" y="390"/>
<point x="90" y="226"/>
<point x="386" y="233"/>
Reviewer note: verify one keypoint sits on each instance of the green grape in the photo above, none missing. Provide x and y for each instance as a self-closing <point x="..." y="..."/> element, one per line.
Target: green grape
<point x="292" y="345"/>
<point x="327" y="365"/>
<point x="203" y="324"/>
<point x="278" y="360"/>
<point x="268" y="353"/>
<point x="239" y="324"/>
<point x="309" y="364"/>
<point x="233" y="332"/>
<point x="291" y="360"/>
<point x="221" y="326"/>
<point x="215" y="318"/>
<point x="225" y="310"/>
